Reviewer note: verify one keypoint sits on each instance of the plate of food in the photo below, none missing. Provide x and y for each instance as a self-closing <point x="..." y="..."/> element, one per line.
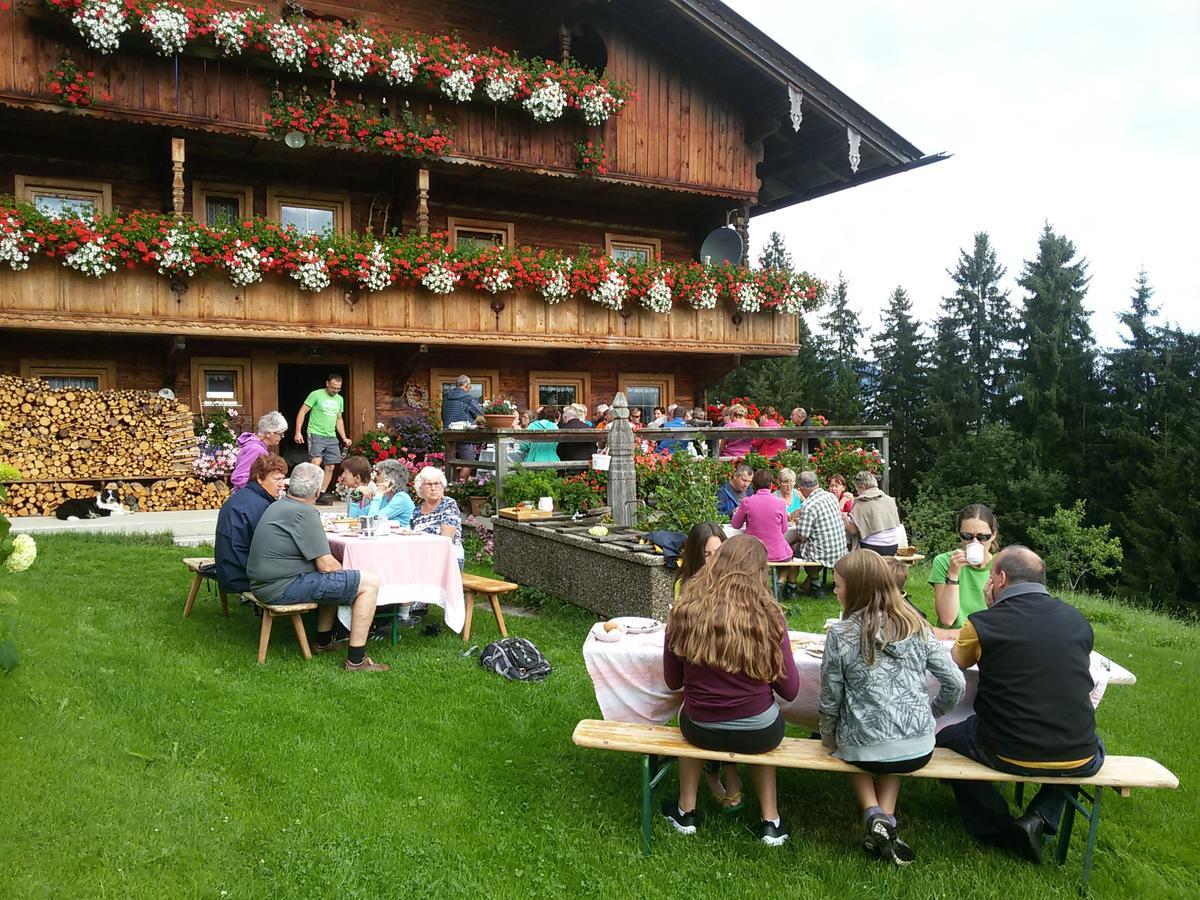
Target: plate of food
<point x="636" y="624"/>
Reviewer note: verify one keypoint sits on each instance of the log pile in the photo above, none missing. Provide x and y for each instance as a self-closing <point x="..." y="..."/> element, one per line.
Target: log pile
<point x="65" y="443"/>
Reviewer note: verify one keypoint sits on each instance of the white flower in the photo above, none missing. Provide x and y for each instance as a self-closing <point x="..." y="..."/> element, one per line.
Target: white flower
<point x="458" y="86"/>
<point x="24" y="552"/>
<point x="311" y="274"/>
<point x="229" y="31"/>
<point x="400" y="67"/>
<point x="439" y="279"/>
<point x="792" y="303"/>
<point x="15" y="247"/>
<point x="497" y="280"/>
<point x="176" y="254"/>
<point x="658" y="296"/>
<point x="101" y="22"/>
<point x="376" y="273"/>
<point x="612" y="291"/>
<point x="350" y="55"/>
<point x="288" y="45"/>
<point x="705" y="298"/>
<point x="168" y="29"/>
<point x="500" y="85"/>
<point x="91" y="258"/>
<point x="547" y="101"/>
<point x="557" y="287"/>
<point x="596" y="104"/>
<point x="749" y="300"/>
<point x="246" y="266"/>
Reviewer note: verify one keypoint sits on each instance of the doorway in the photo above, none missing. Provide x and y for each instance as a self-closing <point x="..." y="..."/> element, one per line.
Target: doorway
<point x="296" y="382"/>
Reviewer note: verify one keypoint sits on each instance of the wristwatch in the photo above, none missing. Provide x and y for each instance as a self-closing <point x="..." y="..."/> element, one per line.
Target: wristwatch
<point x="951" y="581"/>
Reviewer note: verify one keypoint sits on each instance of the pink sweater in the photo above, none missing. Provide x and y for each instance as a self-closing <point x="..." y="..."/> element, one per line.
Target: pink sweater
<point x="765" y="517"/>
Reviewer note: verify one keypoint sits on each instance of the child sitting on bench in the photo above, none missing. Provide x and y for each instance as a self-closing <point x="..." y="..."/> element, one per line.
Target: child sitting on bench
<point x="874" y="706"/>
<point x="727" y="647"/>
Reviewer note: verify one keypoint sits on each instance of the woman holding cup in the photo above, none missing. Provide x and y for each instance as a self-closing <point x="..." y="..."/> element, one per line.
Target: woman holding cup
<point x="958" y="576"/>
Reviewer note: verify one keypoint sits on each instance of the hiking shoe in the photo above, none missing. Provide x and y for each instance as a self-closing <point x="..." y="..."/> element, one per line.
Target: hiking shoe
<point x="1027" y="837"/>
<point x="899" y="852"/>
<point x="335" y="644"/>
<point x="684" y="823"/>
<point x="879" y="834"/>
<point x="773" y="835"/>
<point x="367" y="665"/>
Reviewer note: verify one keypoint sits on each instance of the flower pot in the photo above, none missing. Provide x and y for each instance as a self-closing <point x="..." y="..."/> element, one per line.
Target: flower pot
<point x="478" y="505"/>
<point x="600" y="461"/>
<point x="495" y="421"/>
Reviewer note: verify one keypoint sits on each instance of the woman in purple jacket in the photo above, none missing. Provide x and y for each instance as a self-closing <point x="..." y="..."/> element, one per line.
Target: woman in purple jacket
<point x="765" y="517"/>
<point x="727" y="647"/>
<point x="271" y="429"/>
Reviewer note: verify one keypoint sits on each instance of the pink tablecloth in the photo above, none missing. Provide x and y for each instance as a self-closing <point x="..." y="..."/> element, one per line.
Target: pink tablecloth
<point x="412" y="568"/>
<point x="627" y="676"/>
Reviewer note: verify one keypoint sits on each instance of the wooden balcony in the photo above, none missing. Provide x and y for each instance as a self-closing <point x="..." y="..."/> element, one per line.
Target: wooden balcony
<point x="49" y="296"/>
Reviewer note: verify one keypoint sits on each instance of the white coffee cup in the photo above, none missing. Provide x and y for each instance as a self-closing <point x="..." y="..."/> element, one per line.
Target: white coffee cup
<point x="546" y="504"/>
<point x="974" y="554"/>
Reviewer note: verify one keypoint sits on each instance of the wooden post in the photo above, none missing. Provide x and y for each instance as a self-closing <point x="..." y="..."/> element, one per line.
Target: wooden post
<point x="177" y="156"/>
<point x="743" y="229"/>
<point x="564" y="40"/>
<point x="422" y="201"/>
<point x="884" y="451"/>
<point x="501" y="466"/>
<point x="622" y="480"/>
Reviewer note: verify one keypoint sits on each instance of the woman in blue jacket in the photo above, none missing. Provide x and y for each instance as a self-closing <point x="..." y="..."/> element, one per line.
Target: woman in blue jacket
<point x="391" y="500"/>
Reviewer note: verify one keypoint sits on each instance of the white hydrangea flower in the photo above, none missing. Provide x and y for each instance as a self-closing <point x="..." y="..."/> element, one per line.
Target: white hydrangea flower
<point x="229" y="31"/>
<point x="350" y="55"/>
<point x="176" y="255"/>
<point x="15" y="248"/>
<point x="246" y="264"/>
<point x="376" y="273"/>
<point x="497" y="280"/>
<point x="439" y="279"/>
<point x="311" y="274"/>
<point x="658" y="296"/>
<point x="24" y="552"/>
<point x="749" y="299"/>
<point x="557" y="287"/>
<point x="458" y="86"/>
<point x="101" y="22"/>
<point x="596" y="104"/>
<point x="705" y="298"/>
<point x="167" y="28"/>
<point x="547" y="101"/>
<point x="611" y="291"/>
<point x="91" y="258"/>
<point x="288" y="46"/>
<point x="500" y="85"/>
<point x="400" y="66"/>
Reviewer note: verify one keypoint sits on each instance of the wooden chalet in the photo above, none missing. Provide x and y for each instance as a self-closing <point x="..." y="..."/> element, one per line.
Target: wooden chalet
<point x="725" y="125"/>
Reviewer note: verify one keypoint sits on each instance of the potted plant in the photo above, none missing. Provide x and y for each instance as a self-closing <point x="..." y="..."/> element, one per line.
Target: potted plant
<point x="478" y="492"/>
<point x="500" y="413"/>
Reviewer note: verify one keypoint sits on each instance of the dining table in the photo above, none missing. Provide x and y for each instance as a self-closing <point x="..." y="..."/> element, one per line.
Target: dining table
<point x="412" y="568"/>
<point x="627" y="676"/>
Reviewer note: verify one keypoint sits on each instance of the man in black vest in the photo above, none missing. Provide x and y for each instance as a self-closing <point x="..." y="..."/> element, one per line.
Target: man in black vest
<point x="1033" y="711"/>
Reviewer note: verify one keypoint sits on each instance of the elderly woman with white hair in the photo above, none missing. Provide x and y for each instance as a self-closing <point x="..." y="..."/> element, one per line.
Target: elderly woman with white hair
<point x="873" y="519"/>
<point x="436" y="513"/>
<point x="271" y="429"/>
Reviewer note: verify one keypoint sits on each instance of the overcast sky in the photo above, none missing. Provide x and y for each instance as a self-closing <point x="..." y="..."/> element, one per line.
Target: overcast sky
<point x="1083" y="113"/>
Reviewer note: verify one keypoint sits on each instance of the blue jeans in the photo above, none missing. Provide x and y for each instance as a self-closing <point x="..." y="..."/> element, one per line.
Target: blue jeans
<point x="984" y="810"/>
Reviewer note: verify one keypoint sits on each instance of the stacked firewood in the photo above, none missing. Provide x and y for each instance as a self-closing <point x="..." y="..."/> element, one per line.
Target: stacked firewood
<point x="137" y="496"/>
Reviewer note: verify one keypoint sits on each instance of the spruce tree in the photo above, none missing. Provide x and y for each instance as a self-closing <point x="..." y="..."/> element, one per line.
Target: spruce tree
<point x="951" y="408"/>
<point x="843" y="367"/>
<point x="901" y="358"/>
<point x="775" y="255"/>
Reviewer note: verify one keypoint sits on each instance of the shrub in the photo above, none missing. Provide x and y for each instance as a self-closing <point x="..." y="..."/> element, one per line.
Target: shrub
<point x="684" y="494"/>
<point x="587" y="490"/>
<point x="1074" y="551"/>
<point x="417" y="432"/>
<point x="846" y="458"/>
<point x="530" y="485"/>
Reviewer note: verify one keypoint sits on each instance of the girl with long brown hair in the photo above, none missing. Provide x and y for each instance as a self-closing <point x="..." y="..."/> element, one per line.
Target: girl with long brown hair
<point x="874" y="706"/>
<point x="727" y="648"/>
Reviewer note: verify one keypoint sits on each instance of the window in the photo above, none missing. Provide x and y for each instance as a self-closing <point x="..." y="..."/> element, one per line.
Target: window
<point x="559" y="388"/>
<point x="479" y="232"/>
<point x="625" y="248"/>
<point x="647" y="392"/>
<point x="484" y="385"/>
<point x="219" y="384"/>
<point x="310" y="213"/>
<point x="221" y="204"/>
<point x="64" y="375"/>
<point x="65" y="196"/>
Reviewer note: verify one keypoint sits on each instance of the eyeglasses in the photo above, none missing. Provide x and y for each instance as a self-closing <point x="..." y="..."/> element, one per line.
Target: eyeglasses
<point x="983" y="536"/>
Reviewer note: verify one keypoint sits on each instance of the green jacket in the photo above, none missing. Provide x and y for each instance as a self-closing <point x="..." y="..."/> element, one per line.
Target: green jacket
<point x="541" y="452"/>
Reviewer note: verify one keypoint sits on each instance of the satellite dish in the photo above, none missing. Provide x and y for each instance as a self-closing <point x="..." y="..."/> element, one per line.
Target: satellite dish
<point x="295" y="139"/>
<point x="723" y="246"/>
<point x="167" y="394"/>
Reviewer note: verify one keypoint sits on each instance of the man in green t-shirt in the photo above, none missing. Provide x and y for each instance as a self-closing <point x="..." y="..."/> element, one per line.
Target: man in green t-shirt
<point x="323" y="409"/>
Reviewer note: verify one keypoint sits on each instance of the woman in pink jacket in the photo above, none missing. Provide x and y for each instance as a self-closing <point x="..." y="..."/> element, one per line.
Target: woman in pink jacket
<point x="271" y="429"/>
<point x="765" y="517"/>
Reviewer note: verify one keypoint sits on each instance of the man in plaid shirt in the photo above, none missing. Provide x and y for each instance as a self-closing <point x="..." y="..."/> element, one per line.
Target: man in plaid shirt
<point x="820" y="533"/>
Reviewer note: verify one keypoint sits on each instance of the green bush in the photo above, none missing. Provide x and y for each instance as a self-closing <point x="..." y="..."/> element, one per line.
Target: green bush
<point x="530" y="485"/>
<point x="1073" y="552"/>
<point x="681" y="492"/>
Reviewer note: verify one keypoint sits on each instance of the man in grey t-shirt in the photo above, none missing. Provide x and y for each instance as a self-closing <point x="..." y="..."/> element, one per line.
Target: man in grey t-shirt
<point x="290" y="562"/>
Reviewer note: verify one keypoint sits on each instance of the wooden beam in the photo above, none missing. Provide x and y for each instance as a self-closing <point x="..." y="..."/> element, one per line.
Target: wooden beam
<point x="177" y="157"/>
<point x="422" y="201"/>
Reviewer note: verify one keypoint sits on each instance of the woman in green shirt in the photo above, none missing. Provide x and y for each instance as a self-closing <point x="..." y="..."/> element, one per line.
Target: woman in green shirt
<point x="957" y="583"/>
<point x="543" y="451"/>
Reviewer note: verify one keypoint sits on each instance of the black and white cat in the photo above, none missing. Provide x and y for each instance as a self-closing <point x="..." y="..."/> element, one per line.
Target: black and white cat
<point x="107" y="502"/>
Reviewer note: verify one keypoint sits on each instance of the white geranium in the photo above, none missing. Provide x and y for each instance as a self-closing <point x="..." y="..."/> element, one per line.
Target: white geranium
<point x="311" y="274"/>
<point x="611" y="291"/>
<point x="596" y="104"/>
<point x="557" y="287"/>
<point x="16" y="247"/>
<point x="497" y="280"/>
<point x="350" y="55"/>
<point x="288" y="45"/>
<point x="101" y="22"/>
<point x="91" y="258"/>
<point x="458" y="86"/>
<point x="749" y="299"/>
<point x="658" y="296"/>
<point x="24" y="552"/>
<point x="246" y="264"/>
<point x="547" y="101"/>
<point x="705" y="298"/>
<point x="401" y="66"/>
<point x="500" y="85"/>
<point x="175" y="257"/>
<point x="229" y="31"/>
<point x="793" y="301"/>
<point x="439" y="279"/>
<point x="167" y="28"/>
<point x="376" y="273"/>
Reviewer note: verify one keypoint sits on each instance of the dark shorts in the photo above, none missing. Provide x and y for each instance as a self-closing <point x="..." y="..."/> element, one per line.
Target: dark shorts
<point x="760" y="740"/>
<point x="886" y="550"/>
<point x="329" y="588"/>
<point x="327" y="449"/>
<point x="892" y="767"/>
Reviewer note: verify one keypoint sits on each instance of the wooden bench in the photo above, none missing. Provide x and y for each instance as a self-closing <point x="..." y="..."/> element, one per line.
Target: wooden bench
<point x="476" y="585"/>
<point x="194" y="564"/>
<point x="270" y="613"/>
<point x="805" y="564"/>
<point x="654" y="742"/>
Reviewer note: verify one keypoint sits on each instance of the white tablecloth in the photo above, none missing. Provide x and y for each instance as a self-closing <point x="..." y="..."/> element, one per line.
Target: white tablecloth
<point x="627" y="676"/>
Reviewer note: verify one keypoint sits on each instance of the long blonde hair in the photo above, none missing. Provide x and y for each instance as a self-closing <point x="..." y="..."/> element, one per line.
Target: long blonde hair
<point x="872" y="595"/>
<point x="726" y="617"/>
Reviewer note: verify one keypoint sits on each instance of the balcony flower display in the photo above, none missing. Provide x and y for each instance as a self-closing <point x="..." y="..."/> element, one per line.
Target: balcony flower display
<point x="168" y="28"/>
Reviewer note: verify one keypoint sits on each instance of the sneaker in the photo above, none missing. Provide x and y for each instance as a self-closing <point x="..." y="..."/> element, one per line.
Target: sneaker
<point x="684" y="823"/>
<point x="879" y="834"/>
<point x="773" y="835"/>
<point x="367" y="665"/>
<point x="899" y="852"/>
<point x="335" y="644"/>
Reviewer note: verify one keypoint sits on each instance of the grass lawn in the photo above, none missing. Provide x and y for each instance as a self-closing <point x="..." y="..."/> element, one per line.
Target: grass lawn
<point x="144" y="756"/>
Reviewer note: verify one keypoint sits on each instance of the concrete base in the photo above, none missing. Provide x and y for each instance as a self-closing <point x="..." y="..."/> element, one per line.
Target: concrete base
<point x="187" y="528"/>
<point x="607" y="580"/>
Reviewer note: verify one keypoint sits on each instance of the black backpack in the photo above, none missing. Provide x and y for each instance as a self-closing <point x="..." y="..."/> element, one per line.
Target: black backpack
<point x="516" y="659"/>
